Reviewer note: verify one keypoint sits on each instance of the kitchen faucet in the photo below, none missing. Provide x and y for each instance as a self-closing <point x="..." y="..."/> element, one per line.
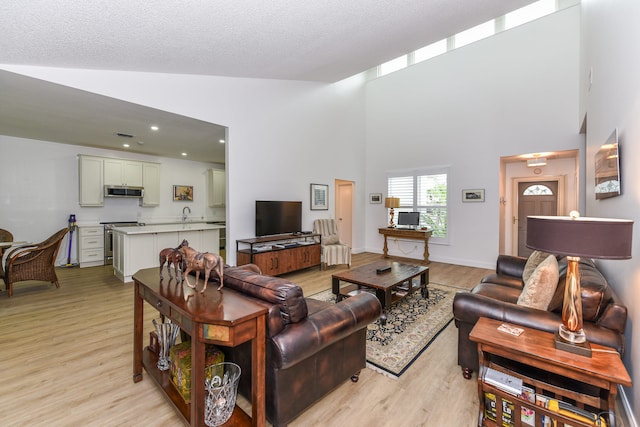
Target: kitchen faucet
<point x="184" y="214"/>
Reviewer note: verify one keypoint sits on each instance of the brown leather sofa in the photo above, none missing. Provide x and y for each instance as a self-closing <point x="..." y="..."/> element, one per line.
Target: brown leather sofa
<point x="312" y="346"/>
<point x="495" y="297"/>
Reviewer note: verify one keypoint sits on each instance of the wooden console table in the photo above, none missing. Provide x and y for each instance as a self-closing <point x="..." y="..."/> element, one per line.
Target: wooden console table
<point x="587" y="382"/>
<point x="223" y="318"/>
<point x="403" y="233"/>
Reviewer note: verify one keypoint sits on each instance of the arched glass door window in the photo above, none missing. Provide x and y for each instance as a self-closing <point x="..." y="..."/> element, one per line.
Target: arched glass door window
<point x="537" y="190"/>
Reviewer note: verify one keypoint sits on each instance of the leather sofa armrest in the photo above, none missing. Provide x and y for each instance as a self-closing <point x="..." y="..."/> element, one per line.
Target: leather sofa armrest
<point x="300" y="340"/>
<point x="510" y="265"/>
<point x="614" y="318"/>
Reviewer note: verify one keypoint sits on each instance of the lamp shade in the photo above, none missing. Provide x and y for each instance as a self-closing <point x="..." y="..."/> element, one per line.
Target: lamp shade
<point x="392" y="202"/>
<point x="600" y="238"/>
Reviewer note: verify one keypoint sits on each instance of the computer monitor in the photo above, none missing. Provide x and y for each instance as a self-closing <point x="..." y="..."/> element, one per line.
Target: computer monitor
<point x="411" y="219"/>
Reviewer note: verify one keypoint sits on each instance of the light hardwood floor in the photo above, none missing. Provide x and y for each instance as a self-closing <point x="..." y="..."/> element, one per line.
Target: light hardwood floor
<point x="66" y="360"/>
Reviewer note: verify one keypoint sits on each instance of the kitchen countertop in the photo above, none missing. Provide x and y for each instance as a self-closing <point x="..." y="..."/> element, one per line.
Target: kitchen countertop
<point x="166" y="228"/>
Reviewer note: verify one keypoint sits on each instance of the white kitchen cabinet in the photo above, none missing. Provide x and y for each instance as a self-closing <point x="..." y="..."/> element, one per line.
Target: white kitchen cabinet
<point x="91" y="180"/>
<point x="151" y="184"/>
<point x="122" y="172"/>
<point x="90" y="246"/>
<point x="201" y="240"/>
<point x="217" y="188"/>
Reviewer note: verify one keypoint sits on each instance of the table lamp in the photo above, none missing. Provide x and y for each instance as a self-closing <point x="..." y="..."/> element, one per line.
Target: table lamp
<point x="575" y="237"/>
<point x="391" y="202"/>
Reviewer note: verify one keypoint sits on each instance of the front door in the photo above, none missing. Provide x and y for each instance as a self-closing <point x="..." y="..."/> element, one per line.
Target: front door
<point x="534" y="198"/>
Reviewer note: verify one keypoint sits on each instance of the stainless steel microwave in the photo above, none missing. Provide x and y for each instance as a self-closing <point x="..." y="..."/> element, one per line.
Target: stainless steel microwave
<point x="123" y="191"/>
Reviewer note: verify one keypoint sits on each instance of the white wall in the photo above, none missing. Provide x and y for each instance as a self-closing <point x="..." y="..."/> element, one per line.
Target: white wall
<point x="283" y="135"/>
<point x="40" y="190"/>
<point x="510" y="94"/>
<point x="611" y="33"/>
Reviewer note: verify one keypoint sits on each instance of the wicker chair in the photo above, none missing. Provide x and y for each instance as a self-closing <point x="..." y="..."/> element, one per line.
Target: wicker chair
<point x="33" y="262"/>
<point x="5" y="236"/>
<point x="334" y="252"/>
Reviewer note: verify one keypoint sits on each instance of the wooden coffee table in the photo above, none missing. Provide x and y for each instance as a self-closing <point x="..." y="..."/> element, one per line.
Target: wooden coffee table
<point x="389" y="286"/>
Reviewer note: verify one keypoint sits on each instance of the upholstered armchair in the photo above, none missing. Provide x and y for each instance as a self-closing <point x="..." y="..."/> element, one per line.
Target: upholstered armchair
<point x="32" y="262"/>
<point x="334" y="252"/>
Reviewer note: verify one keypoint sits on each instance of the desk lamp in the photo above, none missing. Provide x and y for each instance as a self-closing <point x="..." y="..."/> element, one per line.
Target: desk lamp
<point x="391" y="202"/>
<point x="575" y="237"/>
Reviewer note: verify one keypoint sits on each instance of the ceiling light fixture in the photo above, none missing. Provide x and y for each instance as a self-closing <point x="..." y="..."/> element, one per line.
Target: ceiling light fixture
<point x="126" y="145"/>
<point x="536" y="161"/>
<point x="184" y="154"/>
<point x="154" y="127"/>
<point x="221" y="141"/>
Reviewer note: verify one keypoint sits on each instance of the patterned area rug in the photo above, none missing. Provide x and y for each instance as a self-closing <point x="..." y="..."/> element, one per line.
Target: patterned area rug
<point x="412" y="324"/>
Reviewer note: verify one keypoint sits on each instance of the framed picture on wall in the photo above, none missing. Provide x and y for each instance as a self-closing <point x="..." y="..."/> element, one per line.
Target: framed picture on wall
<point x="319" y="197"/>
<point x="183" y="193"/>
<point x="375" y="198"/>
<point x="473" y="195"/>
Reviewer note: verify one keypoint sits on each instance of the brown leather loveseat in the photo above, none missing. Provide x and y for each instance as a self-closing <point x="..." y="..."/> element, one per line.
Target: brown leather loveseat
<point x="496" y="296"/>
<point x="312" y="346"/>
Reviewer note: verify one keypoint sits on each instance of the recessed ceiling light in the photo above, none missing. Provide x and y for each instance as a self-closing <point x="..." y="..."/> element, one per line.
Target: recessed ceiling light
<point x="125" y="145"/>
<point x="221" y="141"/>
<point x="154" y="127"/>
<point x="184" y="154"/>
<point x="140" y="142"/>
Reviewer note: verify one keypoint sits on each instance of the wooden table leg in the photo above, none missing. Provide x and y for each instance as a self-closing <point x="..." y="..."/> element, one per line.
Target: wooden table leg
<point x="335" y="288"/>
<point x="385" y="248"/>
<point x="258" y="372"/>
<point x="197" y="376"/>
<point x="138" y="310"/>
<point x="426" y="250"/>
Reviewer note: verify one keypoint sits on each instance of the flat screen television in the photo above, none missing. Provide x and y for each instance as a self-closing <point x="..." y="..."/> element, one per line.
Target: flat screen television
<point x="411" y="219"/>
<point x="278" y="217"/>
<point x="608" y="168"/>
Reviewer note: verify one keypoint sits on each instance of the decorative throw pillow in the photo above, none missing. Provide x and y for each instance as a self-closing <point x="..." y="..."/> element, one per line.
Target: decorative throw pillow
<point x="331" y="239"/>
<point x="539" y="289"/>
<point x="533" y="261"/>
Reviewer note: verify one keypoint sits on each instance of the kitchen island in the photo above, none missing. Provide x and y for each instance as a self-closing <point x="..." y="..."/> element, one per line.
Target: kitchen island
<point x="138" y="247"/>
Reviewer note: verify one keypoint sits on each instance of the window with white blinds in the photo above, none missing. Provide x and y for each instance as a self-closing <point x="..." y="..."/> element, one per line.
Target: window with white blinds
<point x="423" y="191"/>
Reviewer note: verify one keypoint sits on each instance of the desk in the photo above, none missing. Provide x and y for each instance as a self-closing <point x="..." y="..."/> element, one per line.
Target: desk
<point x="224" y="318"/>
<point x="401" y="233"/>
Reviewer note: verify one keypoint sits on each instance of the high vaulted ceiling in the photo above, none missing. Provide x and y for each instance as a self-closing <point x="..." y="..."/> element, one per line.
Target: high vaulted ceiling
<point x="317" y="40"/>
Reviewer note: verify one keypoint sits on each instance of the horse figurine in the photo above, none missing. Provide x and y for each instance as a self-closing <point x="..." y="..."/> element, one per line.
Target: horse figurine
<point x="198" y="261"/>
<point x="172" y="257"/>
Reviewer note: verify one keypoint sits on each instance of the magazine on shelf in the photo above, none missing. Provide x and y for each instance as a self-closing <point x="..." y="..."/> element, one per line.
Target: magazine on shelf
<point x="504" y="382"/>
<point x="490" y="406"/>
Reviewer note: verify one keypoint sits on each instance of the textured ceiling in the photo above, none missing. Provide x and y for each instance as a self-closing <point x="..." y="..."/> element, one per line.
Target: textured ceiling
<point x="325" y="40"/>
<point x="312" y="40"/>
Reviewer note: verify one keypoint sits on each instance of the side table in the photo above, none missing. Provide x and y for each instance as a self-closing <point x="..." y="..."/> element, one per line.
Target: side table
<point x="224" y="318"/>
<point x="586" y="382"/>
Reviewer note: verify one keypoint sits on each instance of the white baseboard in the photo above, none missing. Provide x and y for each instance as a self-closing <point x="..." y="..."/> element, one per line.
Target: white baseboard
<point x="626" y="407"/>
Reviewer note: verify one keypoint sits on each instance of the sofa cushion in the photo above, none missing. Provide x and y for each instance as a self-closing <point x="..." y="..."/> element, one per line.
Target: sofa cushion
<point x="533" y="261"/>
<point x="541" y="286"/>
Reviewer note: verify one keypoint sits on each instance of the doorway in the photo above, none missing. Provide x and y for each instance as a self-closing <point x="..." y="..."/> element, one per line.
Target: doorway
<point x="344" y="191"/>
<point x="534" y="197"/>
